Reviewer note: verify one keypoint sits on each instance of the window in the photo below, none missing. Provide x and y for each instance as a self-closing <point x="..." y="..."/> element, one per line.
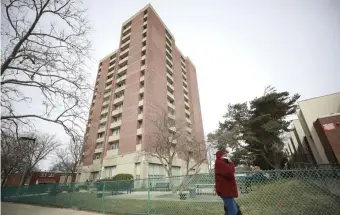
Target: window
<point x="115" y="131"/>
<point x="114" y="145"/>
<point x="118" y="107"/>
<point x="109" y="171"/>
<point x="43" y="174"/>
<point x="116" y="118"/>
<point x="97" y="156"/>
<point x="145" y="12"/>
<point x="100" y="135"/>
<point x="141" y="97"/>
<point x="140" y="124"/>
<point x="119" y="95"/>
<point x="99" y="146"/>
<point x="139" y="140"/>
<point x="140" y="110"/>
<point x="112" y="62"/>
<point x="112" y="56"/>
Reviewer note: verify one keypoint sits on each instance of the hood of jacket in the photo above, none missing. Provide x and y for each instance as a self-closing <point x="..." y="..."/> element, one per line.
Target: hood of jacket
<point x="220" y="154"/>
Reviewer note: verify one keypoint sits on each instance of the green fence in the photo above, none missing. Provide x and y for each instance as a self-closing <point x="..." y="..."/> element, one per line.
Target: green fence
<point x="260" y="193"/>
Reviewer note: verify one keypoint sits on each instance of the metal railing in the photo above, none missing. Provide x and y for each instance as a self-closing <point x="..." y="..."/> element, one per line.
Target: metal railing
<point x="282" y="192"/>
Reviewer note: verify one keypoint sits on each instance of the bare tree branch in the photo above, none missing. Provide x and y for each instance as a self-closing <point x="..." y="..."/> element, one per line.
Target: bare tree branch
<point x="45" y="47"/>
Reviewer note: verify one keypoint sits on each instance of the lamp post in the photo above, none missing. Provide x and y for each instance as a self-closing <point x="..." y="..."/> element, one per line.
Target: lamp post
<point x="23" y="177"/>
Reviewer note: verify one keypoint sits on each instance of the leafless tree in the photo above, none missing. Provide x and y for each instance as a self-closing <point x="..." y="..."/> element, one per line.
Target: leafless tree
<point x="171" y="139"/>
<point x="24" y="153"/>
<point x="12" y="153"/>
<point x="70" y="157"/>
<point x="44" y="52"/>
<point x="39" y="146"/>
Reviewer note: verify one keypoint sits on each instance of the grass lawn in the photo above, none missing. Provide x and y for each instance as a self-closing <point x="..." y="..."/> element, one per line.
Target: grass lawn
<point x="284" y="197"/>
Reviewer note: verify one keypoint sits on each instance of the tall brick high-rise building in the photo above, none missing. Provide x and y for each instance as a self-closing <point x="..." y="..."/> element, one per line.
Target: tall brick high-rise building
<point x="146" y="74"/>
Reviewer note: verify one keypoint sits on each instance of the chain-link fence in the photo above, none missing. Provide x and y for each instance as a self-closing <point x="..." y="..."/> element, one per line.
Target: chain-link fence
<point x="281" y="192"/>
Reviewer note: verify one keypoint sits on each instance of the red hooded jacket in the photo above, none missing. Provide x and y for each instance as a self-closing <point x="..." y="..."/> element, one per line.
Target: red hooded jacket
<point x="224" y="177"/>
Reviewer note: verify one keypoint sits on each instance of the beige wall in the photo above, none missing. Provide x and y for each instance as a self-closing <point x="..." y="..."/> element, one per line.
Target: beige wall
<point x="310" y="110"/>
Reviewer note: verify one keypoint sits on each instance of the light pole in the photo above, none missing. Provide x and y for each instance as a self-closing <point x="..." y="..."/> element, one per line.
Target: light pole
<point x="23" y="177"/>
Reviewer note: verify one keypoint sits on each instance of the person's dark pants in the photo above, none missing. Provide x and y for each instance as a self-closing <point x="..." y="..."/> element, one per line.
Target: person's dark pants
<point x="230" y="206"/>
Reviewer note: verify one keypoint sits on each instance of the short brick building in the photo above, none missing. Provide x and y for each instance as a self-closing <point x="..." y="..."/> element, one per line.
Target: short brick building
<point x="39" y="178"/>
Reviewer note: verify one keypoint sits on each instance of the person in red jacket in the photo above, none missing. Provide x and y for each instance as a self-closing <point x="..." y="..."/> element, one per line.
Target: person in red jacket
<point x="225" y="182"/>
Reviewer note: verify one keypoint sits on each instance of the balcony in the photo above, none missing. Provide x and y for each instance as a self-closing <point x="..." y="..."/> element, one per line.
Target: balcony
<point x="170" y="77"/>
<point x="145" y="30"/>
<point x="140" y="116"/>
<point x="170" y="95"/>
<point x="114" y="137"/>
<point x="98" y="150"/>
<point x="115" y="124"/>
<point x="125" y="44"/>
<point x="171" y="116"/>
<point x="144" y="39"/>
<point x="116" y="112"/>
<point x="140" y="103"/>
<point x="123" y="60"/>
<point x="104" y="111"/>
<point x="100" y="139"/>
<point x="103" y="120"/>
<point x="106" y="103"/>
<point x="168" y="59"/>
<point x="172" y="128"/>
<point x="139" y="131"/>
<point x="141" y="90"/>
<point x="185" y="90"/>
<point x="145" y="23"/>
<point x="143" y="57"/>
<point x="185" y="83"/>
<point x="188" y="120"/>
<point x="108" y="80"/>
<point x="126" y="29"/>
<point x="120" y="70"/>
<point x="143" y="48"/>
<point x="111" y="72"/>
<point x="124" y="38"/>
<point x="121" y="79"/>
<point x="101" y="129"/>
<point x="169" y="69"/>
<point x="171" y="105"/>
<point x="170" y="86"/>
<point x="187" y="112"/>
<point x="118" y="100"/>
<point x="108" y="87"/>
<point x="141" y="78"/>
<point x="183" y="69"/>
<point x="124" y="52"/>
<point x="146" y="15"/>
<point x="107" y="94"/>
<point x="186" y="97"/>
<point x="111" y="66"/>
<point x="142" y="67"/>
<point x="118" y="89"/>
<point x="167" y="37"/>
<point x="186" y="104"/>
<point x="168" y="52"/>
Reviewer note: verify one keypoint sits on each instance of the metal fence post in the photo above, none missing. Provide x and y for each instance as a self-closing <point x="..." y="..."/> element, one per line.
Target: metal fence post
<point x="103" y="190"/>
<point x="72" y="191"/>
<point x="148" y="202"/>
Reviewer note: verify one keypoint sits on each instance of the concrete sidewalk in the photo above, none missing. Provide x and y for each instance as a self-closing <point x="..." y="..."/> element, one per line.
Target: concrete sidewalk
<point x="19" y="209"/>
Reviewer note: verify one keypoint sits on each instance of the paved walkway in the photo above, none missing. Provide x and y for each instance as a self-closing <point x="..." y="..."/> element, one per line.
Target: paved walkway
<point x="19" y="209"/>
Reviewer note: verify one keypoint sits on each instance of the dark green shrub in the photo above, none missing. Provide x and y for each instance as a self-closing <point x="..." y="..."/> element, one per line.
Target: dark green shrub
<point x="118" y="182"/>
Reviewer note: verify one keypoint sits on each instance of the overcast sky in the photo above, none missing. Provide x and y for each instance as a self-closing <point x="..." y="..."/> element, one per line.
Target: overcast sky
<point x="239" y="47"/>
